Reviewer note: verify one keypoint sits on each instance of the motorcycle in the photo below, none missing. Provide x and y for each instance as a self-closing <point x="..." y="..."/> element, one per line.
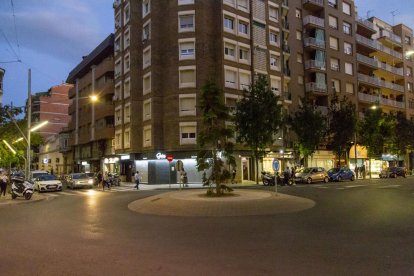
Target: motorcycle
<point x="21" y="188"/>
<point x="269" y="180"/>
<point x="114" y="179"/>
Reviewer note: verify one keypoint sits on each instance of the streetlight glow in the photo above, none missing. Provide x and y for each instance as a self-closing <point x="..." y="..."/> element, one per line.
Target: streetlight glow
<point x="39" y="126"/>
<point x="93" y="98"/>
<point x="18" y="140"/>
<point x="10" y="147"/>
<point x="409" y="53"/>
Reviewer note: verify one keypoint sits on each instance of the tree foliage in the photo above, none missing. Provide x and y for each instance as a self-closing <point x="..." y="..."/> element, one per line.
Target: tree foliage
<point x="213" y="137"/>
<point x="342" y="124"/>
<point x="257" y="117"/>
<point x="310" y="126"/>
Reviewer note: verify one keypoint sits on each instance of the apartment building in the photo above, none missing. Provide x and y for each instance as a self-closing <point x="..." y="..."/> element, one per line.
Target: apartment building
<point x="51" y="106"/>
<point x="90" y="133"/>
<point x="2" y="72"/>
<point x="385" y="76"/>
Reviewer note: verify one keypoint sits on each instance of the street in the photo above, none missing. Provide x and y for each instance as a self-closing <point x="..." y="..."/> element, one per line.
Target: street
<point x="355" y="228"/>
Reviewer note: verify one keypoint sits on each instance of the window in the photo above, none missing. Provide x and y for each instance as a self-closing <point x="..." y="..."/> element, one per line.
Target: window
<point x="230" y="2"/>
<point x="188" y="133"/>
<point x="146" y="57"/>
<point x="187" y="105"/>
<point x="231" y="102"/>
<point x="299" y="58"/>
<point x="336" y="85"/>
<point x="117" y="21"/>
<point x="298" y="13"/>
<point x="126" y="38"/>
<point x="117" y="44"/>
<point x="335" y="64"/>
<point x="407" y="40"/>
<point x="127" y="14"/>
<point x="186" y="22"/>
<point x="332" y="3"/>
<point x="347" y="28"/>
<point x="187" y="75"/>
<point x="118" y="115"/>
<point x="410" y="86"/>
<point x="146" y="136"/>
<point x="126" y="63"/>
<point x="127" y="88"/>
<point x="230" y="76"/>
<point x="185" y="2"/>
<point x="229" y="51"/>
<point x="228" y="24"/>
<point x="349" y="88"/>
<point x="300" y="79"/>
<point x="409" y="71"/>
<point x="243" y="28"/>
<point x="118" y="91"/>
<point x="118" y="68"/>
<point x="347" y="48"/>
<point x="243" y="5"/>
<point x="146" y="8"/>
<point x="187" y="48"/>
<point x="298" y="35"/>
<point x="274" y="38"/>
<point x="273" y="13"/>
<point x="127" y="113"/>
<point x="146" y="85"/>
<point x="275" y="62"/>
<point x="146" y="31"/>
<point x="275" y="85"/>
<point x="333" y="22"/>
<point x="244" y="79"/>
<point x="118" y="139"/>
<point x="244" y="55"/>
<point x="348" y="68"/>
<point x="333" y="43"/>
<point x="346" y="8"/>
<point x="146" y="110"/>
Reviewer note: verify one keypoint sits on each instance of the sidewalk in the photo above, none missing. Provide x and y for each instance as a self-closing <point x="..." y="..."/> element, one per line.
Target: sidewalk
<point x="7" y="200"/>
<point x="145" y="186"/>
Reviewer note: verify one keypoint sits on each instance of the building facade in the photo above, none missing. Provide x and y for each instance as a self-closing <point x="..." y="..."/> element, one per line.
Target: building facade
<point x="88" y="138"/>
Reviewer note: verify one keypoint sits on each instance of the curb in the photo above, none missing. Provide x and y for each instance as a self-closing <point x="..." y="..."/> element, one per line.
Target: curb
<point x="9" y="201"/>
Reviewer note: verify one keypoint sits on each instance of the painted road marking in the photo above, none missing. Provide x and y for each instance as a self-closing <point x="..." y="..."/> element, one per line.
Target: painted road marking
<point x="389" y="186"/>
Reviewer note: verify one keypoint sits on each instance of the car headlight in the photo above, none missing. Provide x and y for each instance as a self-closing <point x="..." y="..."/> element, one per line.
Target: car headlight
<point x="90" y="181"/>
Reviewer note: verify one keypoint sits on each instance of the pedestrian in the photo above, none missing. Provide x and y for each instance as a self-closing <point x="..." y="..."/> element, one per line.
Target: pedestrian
<point x="286" y="175"/>
<point x="3" y="183"/>
<point x="363" y="171"/>
<point x="292" y="175"/>
<point x="356" y="172"/>
<point x="99" y="178"/>
<point x="233" y="175"/>
<point x="137" y="178"/>
<point x="105" y="181"/>
<point x="184" y="178"/>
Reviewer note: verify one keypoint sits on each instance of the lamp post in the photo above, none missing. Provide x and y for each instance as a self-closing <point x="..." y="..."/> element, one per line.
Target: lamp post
<point x="29" y="122"/>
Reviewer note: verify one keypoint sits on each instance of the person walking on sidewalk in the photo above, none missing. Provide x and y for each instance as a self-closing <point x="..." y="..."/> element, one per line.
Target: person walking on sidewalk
<point x="3" y="183"/>
<point x="105" y="181"/>
<point x="137" y="178"/>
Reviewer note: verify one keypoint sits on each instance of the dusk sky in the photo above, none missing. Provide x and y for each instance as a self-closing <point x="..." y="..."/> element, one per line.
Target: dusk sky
<point x="53" y="35"/>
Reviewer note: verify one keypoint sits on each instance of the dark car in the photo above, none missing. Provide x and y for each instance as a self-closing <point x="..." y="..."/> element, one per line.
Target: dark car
<point x="339" y="174"/>
<point x="393" y="172"/>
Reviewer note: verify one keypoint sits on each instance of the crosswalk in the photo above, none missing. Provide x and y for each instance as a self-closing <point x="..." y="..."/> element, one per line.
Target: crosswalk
<point x="88" y="192"/>
<point x="347" y="186"/>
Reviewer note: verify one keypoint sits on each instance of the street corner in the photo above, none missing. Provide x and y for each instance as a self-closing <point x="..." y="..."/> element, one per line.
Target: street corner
<point x="194" y="203"/>
<point x="7" y="200"/>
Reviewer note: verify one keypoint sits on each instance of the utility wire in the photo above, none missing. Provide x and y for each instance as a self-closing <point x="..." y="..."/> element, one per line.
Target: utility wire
<point x="15" y="27"/>
<point x="11" y="47"/>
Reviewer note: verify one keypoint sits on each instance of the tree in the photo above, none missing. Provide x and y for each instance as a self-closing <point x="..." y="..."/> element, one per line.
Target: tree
<point x="257" y="117"/>
<point x="402" y="134"/>
<point x="342" y="124"/>
<point x="310" y="126"/>
<point x="213" y="138"/>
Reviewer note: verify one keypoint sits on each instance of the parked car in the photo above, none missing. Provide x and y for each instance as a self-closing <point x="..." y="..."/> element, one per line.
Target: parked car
<point x="393" y="172"/>
<point x="47" y="183"/>
<point x="35" y="174"/>
<point x="76" y="180"/>
<point x="311" y="175"/>
<point x="339" y="174"/>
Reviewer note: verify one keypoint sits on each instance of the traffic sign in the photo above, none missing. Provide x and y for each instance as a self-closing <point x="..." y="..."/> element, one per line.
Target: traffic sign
<point x="170" y="157"/>
<point x="275" y="165"/>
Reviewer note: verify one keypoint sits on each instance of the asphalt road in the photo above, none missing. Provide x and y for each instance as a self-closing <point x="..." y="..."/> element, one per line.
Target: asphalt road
<point x="355" y="228"/>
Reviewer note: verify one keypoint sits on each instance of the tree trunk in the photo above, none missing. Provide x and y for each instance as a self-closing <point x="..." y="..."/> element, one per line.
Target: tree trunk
<point x="257" y="168"/>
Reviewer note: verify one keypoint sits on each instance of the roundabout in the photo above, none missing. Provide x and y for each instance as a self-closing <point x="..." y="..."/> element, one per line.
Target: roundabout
<point x="193" y="203"/>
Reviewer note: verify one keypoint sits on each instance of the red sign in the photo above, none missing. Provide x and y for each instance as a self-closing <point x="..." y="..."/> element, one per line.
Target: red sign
<point x="170" y="157"/>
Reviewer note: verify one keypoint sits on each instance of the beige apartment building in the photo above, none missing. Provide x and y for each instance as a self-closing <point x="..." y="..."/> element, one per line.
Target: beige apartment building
<point x="87" y="142"/>
<point x="164" y="51"/>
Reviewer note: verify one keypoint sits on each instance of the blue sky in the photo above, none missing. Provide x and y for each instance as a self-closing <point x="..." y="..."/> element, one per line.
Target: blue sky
<point x="53" y="35"/>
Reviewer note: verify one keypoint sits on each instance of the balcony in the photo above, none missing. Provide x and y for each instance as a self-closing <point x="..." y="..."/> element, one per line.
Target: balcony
<point x="368" y="98"/>
<point x="313" y="42"/>
<point x="380" y="65"/>
<point x="313" y="5"/>
<point x="287" y="97"/>
<point x="286" y="72"/>
<point x="392" y="103"/>
<point x="285" y="25"/>
<point x="315" y="64"/>
<point x="390" y="36"/>
<point x="313" y="20"/>
<point x="316" y="87"/>
<point x="377" y="46"/>
<point x="368" y="25"/>
<point x="285" y="48"/>
<point x="378" y="82"/>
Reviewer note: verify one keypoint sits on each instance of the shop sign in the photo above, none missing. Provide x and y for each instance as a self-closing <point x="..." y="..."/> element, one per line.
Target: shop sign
<point x="160" y="156"/>
<point x="84" y="163"/>
<point x="125" y="157"/>
<point x="45" y="160"/>
<point x="111" y="160"/>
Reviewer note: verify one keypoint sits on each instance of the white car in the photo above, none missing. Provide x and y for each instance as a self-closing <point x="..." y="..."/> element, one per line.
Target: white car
<point x="75" y="180"/>
<point x="47" y="183"/>
<point x="35" y="174"/>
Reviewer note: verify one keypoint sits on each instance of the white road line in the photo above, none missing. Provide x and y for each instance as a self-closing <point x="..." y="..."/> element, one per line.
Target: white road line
<point x="52" y="195"/>
<point x="355" y="186"/>
<point x="340" y="188"/>
<point x="66" y="193"/>
<point x="389" y="186"/>
<point x="322" y="187"/>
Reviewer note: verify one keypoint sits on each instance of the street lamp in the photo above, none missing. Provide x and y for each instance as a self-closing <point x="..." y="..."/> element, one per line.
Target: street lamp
<point x="10" y="147"/>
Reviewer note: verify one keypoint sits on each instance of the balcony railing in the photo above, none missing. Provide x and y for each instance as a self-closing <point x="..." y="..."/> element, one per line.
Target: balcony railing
<point x="390" y="35"/>
<point x="316" y="87"/>
<point x="380" y="65"/>
<point x="286" y="48"/>
<point x="366" y="23"/>
<point x="378" y="82"/>
<point x="367" y="98"/>
<point x="392" y="103"/>
<point x="378" y="46"/>
<point x="315" y="64"/>
<point x="310" y="19"/>
<point x="313" y="2"/>
<point x="287" y="96"/>
<point x="311" y="41"/>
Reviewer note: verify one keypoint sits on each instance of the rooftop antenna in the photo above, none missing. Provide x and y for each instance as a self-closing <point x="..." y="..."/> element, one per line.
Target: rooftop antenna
<point x="394" y="13"/>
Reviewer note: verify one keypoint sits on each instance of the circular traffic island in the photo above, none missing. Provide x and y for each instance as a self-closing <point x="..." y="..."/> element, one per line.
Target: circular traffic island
<point x="194" y="203"/>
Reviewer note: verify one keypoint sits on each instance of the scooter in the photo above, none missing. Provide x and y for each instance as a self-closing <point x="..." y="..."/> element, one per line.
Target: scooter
<point x="114" y="179"/>
<point x="269" y="180"/>
<point x="21" y="188"/>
